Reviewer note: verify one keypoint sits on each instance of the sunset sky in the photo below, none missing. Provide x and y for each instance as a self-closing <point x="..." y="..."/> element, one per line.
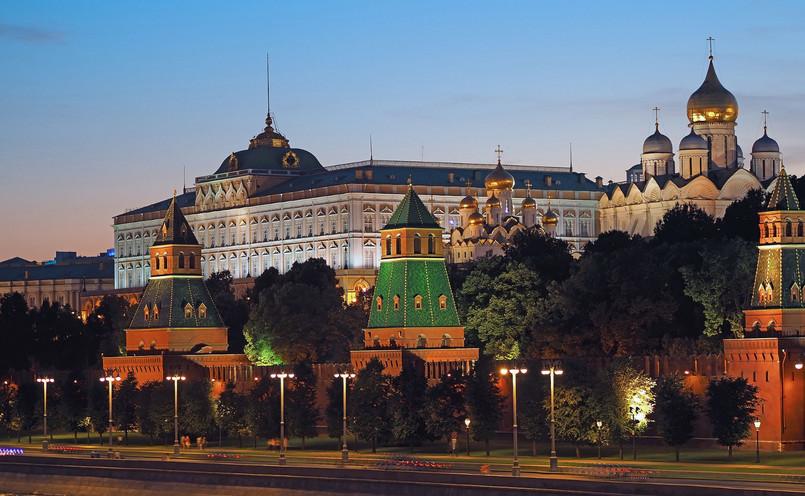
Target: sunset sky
<point x="106" y="106"/>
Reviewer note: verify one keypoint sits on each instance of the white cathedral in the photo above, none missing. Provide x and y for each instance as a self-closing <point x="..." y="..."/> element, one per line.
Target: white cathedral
<point x="711" y="166"/>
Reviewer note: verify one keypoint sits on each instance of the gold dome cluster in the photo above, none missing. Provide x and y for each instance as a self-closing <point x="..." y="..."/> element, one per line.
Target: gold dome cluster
<point x="499" y="179"/>
<point x="712" y="102"/>
<point x="469" y="201"/>
<point x="476" y="219"/>
<point x="550" y="218"/>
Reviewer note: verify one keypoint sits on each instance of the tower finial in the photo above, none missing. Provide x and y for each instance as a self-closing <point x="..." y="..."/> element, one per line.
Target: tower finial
<point x="410" y="181"/>
<point x="711" y="40"/>
<point x="765" y="114"/>
<point x="469" y="184"/>
<point x="571" y="157"/>
<point x="371" y="152"/>
<point x="268" y="90"/>
<point x="528" y="186"/>
<point x="499" y="152"/>
<point x="656" y="118"/>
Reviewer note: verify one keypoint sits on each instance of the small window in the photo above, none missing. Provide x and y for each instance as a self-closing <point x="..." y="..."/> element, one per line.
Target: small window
<point x="388" y="245"/>
<point x="379" y="302"/>
<point x="767" y="376"/>
<point x="202" y="311"/>
<point x="417" y="302"/>
<point x="156" y="312"/>
<point x="192" y="260"/>
<point x="442" y="302"/>
<point x="417" y="244"/>
<point x="774" y="230"/>
<point x="788" y="228"/>
<point x="181" y="260"/>
<point x="188" y="311"/>
<point x="799" y="228"/>
<point x="164" y="262"/>
<point x="396" y="302"/>
<point x="399" y="245"/>
<point x="754" y="376"/>
<point x="765" y="229"/>
<point x="431" y="244"/>
<point x="156" y="264"/>
<point x="146" y="313"/>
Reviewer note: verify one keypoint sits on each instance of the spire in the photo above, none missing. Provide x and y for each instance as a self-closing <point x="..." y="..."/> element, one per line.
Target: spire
<point x="412" y="213"/>
<point x="571" y="161"/>
<point x="765" y="114"/>
<point x="175" y="229"/>
<point x="783" y="197"/>
<point x="269" y="137"/>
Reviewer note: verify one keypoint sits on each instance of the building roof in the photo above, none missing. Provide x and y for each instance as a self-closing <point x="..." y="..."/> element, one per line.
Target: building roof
<point x="783" y="197"/>
<point x="270" y="158"/>
<point x="175" y="229"/>
<point x="170" y="295"/>
<point x="77" y="268"/>
<point x="411" y="212"/>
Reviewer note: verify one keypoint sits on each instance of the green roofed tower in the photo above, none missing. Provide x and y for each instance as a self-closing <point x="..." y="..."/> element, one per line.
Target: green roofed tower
<point x="413" y="306"/>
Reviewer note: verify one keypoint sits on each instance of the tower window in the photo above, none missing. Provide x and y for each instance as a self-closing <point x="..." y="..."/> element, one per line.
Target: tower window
<point x="379" y="302"/>
<point x="202" y="311"/>
<point x="417" y="302"/>
<point x="799" y="228"/>
<point x="417" y="244"/>
<point x="188" y="311"/>
<point x="192" y="260"/>
<point x="788" y="228"/>
<point x="765" y="229"/>
<point x="396" y="302"/>
<point x="388" y="245"/>
<point x="156" y="312"/>
<point x="398" y="242"/>
<point x="442" y="302"/>
<point x="431" y="244"/>
<point x="181" y="260"/>
<point x="156" y="264"/>
<point x="146" y="312"/>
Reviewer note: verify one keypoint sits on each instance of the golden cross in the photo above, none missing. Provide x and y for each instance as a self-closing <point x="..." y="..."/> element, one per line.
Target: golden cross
<point x="528" y="184"/>
<point x="765" y="114"/>
<point x="656" y="115"/>
<point x="469" y="184"/>
<point x="711" y="40"/>
<point x="499" y="152"/>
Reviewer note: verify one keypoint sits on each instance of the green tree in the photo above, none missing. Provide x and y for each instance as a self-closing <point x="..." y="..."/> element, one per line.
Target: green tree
<point x="233" y="312"/>
<point x="612" y="241"/>
<point x="333" y="413"/>
<point x="59" y="337"/>
<point x="547" y="256"/>
<point x="731" y="405"/>
<point x="722" y="284"/>
<point x="195" y="407"/>
<point x="484" y="402"/>
<point x="73" y="404"/>
<point x="530" y="414"/>
<point x="408" y="406"/>
<point x="106" y="328"/>
<point x="683" y="223"/>
<point x="741" y="218"/>
<point x="16" y="340"/>
<point x="125" y="404"/>
<point x="231" y="412"/>
<point x="145" y="400"/>
<point x="8" y="399"/>
<point x="263" y="419"/>
<point x="303" y="410"/>
<point x="369" y="406"/>
<point x="446" y="408"/>
<point x="626" y="398"/>
<point x="677" y="407"/>
<point x="161" y="411"/>
<point x="27" y="402"/>
<point x="98" y="408"/>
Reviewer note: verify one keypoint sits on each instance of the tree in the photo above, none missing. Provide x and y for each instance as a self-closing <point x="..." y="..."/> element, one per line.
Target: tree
<point x="741" y="218"/>
<point x="8" y="393"/>
<point x="612" y="241"/>
<point x="195" y="407"/>
<point x="446" y="409"/>
<point x="408" y="406"/>
<point x="731" y="405"/>
<point x="303" y="411"/>
<point x="531" y="416"/>
<point x="676" y="407"/>
<point x="547" y="256"/>
<point x="233" y="312"/>
<point x="334" y="410"/>
<point x="263" y="419"/>
<point x="106" y="328"/>
<point x="484" y="402"/>
<point x="59" y="337"/>
<point x="685" y="222"/>
<point x="231" y="412"/>
<point x="125" y="404"/>
<point x="722" y="284"/>
<point x="73" y="404"/>
<point x="369" y="407"/>
<point x="98" y="409"/>
<point x="27" y="402"/>
<point x="145" y="421"/>
<point x="16" y="341"/>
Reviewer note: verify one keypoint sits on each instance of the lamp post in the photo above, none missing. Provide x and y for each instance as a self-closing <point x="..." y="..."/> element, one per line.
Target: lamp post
<point x="344" y="449"/>
<point x="45" y="381"/>
<point x="599" y="424"/>
<point x="282" y="376"/>
<point x="110" y="378"/>
<point x="175" y="379"/>
<point x="757" y="441"/>
<point x="552" y="370"/>
<point x="467" y="424"/>
<point x="514" y="372"/>
<point x="635" y="411"/>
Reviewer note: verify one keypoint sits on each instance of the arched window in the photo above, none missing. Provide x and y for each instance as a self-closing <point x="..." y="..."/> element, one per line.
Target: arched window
<point x="392" y="342"/>
<point x="417" y="244"/>
<point x="202" y="311"/>
<point x="396" y="302"/>
<point x="192" y="260"/>
<point x="164" y="261"/>
<point x="146" y="312"/>
<point x="379" y="302"/>
<point x="181" y="260"/>
<point x="765" y="229"/>
<point x="445" y="341"/>
<point x="421" y="341"/>
<point x="788" y="228"/>
<point x="799" y="228"/>
<point x="156" y="259"/>
<point x="388" y="245"/>
<point x="442" y="302"/>
<point x="156" y="312"/>
<point x="772" y="327"/>
<point x="431" y="244"/>
<point x="398" y="242"/>
<point x="773" y="230"/>
<point x="417" y="302"/>
<point x="188" y="311"/>
<point x="376" y="342"/>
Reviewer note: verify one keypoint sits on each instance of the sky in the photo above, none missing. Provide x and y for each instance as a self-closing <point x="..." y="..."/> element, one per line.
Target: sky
<point x="109" y="106"/>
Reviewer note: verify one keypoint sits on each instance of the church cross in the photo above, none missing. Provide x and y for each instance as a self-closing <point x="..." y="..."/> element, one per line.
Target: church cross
<point x="711" y="40"/>
<point x="528" y="183"/>
<point x="656" y="115"/>
<point x="499" y="152"/>
<point x="765" y="114"/>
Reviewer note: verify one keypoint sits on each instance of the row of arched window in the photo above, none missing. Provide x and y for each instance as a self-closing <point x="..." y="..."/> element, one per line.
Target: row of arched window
<point x="417" y="302"/>
<point x="421" y="341"/>
<point x="163" y="263"/>
<point x="417" y="244"/>
<point x="788" y="230"/>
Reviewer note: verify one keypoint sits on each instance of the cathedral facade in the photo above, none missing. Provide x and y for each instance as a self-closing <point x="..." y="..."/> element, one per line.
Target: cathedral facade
<point x="710" y="173"/>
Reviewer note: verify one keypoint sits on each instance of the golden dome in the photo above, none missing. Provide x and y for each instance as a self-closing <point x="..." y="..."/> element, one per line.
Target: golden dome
<point x="468" y="202"/>
<point x="550" y="218"/>
<point x="529" y="202"/>
<point x="493" y="201"/>
<point x="499" y="179"/>
<point x="712" y="102"/>
<point x="476" y="219"/>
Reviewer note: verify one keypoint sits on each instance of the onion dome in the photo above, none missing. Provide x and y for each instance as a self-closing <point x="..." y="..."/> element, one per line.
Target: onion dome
<point x="657" y="142"/>
<point x="499" y="179"/>
<point x="765" y="144"/>
<point x="493" y="201"/>
<point x="550" y="218"/>
<point x="693" y="142"/>
<point x="739" y="151"/>
<point x="529" y="202"/>
<point x="712" y="102"/>
<point x="476" y="219"/>
<point x="468" y="202"/>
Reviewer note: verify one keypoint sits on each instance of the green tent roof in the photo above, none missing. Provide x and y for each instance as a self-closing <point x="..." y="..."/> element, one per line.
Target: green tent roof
<point x="412" y="213"/>
<point x="170" y="294"/>
<point x="783" y="196"/>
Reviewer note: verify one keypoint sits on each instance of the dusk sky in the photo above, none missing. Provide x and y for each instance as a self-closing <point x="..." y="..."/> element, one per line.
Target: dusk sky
<point x="103" y="105"/>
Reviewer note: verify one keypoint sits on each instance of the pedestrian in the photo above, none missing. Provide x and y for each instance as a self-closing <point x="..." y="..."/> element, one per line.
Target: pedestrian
<point x="203" y="443"/>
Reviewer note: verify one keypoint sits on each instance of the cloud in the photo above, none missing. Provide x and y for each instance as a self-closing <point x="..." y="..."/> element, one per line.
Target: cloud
<point x="28" y="34"/>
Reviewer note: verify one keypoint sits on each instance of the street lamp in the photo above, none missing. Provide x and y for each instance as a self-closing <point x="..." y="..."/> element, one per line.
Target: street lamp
<point x="514" y="372"/>
<point x="112" y="376"/>
<point x="282" y="376"/>
<point x="757" y="441"/>
<point x="635" y="411"/>
<point x="45" y="381"/>
<point x="467" y="423"/>
<point x="552" y="369"/>
<point x="175" y="379"/>
<point x="344" y="449"/>
<point x="599" y="424"/>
